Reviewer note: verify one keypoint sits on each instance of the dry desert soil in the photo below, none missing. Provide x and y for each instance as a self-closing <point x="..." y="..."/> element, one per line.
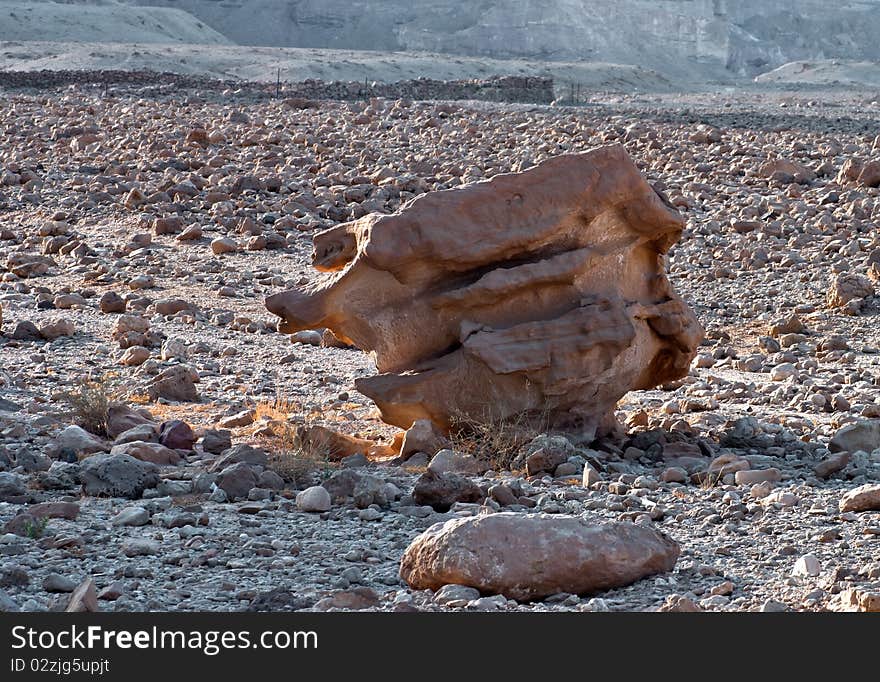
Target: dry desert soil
<point x="142" y="228"/>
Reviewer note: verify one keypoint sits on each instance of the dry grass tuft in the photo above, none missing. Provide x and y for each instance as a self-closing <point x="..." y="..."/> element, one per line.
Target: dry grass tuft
<point x="87" y="404"/>
<point x="292" y="455"/>
<point x="497" y="441"/>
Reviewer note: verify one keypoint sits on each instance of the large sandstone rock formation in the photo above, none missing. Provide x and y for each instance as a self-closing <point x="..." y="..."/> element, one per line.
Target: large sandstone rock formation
<point x="541" y="292"/>
<point x="529" y="556"/>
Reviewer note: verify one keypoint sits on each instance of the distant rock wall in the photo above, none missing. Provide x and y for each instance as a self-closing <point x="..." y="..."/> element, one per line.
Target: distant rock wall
<point x="675" y="37"/>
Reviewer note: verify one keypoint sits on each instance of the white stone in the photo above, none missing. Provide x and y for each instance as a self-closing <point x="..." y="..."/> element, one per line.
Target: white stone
<point x="590" y="476"/>
<point x="808" y="565"/>
<point x="314" y="499"/>
<point x="784" y="371"/>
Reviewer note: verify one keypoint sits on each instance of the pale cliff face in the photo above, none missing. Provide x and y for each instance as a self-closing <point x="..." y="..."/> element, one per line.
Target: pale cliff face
<point x="744" y="36"/>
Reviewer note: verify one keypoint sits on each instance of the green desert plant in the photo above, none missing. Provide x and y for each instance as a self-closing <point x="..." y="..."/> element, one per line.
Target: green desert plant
<point x="36" y="528"/>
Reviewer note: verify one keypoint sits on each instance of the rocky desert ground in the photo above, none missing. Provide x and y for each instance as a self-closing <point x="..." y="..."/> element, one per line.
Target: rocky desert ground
<point x="157" y="433"/>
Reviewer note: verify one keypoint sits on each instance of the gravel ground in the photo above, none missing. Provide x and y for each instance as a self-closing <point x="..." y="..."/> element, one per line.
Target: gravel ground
<point x="778" y="260"/>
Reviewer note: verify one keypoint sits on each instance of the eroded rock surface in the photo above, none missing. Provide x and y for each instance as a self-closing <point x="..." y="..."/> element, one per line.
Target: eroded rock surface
<point x="543" y="290"/>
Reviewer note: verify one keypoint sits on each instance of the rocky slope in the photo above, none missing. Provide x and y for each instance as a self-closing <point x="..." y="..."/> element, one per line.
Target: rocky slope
<point x="102" y="22"/>
<point x="675" y="37"/>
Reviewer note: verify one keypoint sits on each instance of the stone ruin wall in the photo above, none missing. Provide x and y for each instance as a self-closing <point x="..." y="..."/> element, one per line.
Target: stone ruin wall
<point x="524" y="89"/>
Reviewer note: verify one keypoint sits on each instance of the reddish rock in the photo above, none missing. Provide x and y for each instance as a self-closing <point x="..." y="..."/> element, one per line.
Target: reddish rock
<point x="529" y="556"/>
<point x="172" y="306"/>
<point x="870" y="174"/>
<point x="864" y="498"/>
<point x="169" y="225"/>
<point x="111" y="302"/>
<point x="776" y="168"/>
<point x="848" y="287"/>
<point x="148" y="452"/>
<point x="422" y="436"/>
<point x="121" y="418"/>
<point x="175" y="383"/>
<point x="441" y="491"/>
<point x="534" y="292"/>
<point x="198" y="136"/>
<point x="55" y="510"/>
<point x="177" y="435"/>
<point x="832" y="464"/>
<point x="84" y="598"/>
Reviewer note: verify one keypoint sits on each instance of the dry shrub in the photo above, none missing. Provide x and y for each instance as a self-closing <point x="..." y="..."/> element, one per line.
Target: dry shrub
<point x="87" y="404"/>
<point x="292" y="455"/>
<point x="496" y="440"/>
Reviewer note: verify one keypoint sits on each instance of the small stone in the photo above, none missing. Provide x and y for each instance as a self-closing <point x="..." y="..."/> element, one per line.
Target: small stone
<point x="244" y="418"/>
<point x="112" y="592"/>
<point x="590" y="476"/>
<point x="832" y="464"/>
<point x="774" y="606"/>
<point x="84" y="598"/>
<point x="726" y="588"/>
<point x="455" y="593"/>
<point x="216" y="441"/>
<point x="223" y="245"/>
<point x="148" y="452"/>
<point x="423" y="436"/>
<point x="859" y="600"/>
<point x="237" y="480"/>
<point x="369" y="514"/>
<point x="134" y="356"/>
<point x="308" y="337"/>
<point x="7" y="603"/>
<point x="12" y="486"/>
<point x="77" y="440"/>
<point x="864" y="498"/>
<point x="314" y="499"/>
<point x="674" y="475"/>
<point x="441" y="491"/>
<point x="714" y="602"/>
<point x="139" y="547"/>
<point x="354" y="461"/>
<point x="55" y="582"/>
<point x="751" y="476"/>
<point x="502" y="494"/>
<point x="191" y="233"/>
<point x="782" y="498"/>
<point x="117" y="475"/>
<point x="175" y="383"/>
<point x="760" y="490"/>
<point x="111" y="302"/>
<point x="177" y="435"/>
<point x="676" y="603"/>
<point x="862" y="435"/>
<point x="447" y="461"/>
<point x="808" y="566"/>
<point x="56" y="328"/>
<point x="132" y="516"/>
<point x="783" y="371"/>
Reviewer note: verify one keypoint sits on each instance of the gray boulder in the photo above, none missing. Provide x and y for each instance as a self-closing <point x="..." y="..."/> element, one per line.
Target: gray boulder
<point x="237" y="480"/>
<point x="117" y="475"/>
<point x="12" y="486"/>
<point x="862" y="435"/>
